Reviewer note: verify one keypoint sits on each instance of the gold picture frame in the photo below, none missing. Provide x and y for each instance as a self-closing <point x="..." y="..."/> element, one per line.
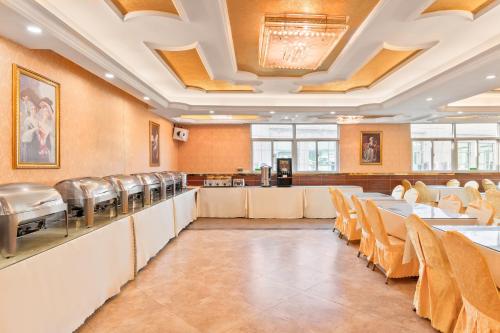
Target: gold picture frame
<point x="154" y="144"/>
<point x="35" y="120"/>
<point x="370" y="148"/>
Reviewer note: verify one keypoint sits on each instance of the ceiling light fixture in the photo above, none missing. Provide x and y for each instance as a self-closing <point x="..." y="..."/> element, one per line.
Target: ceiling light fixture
<point x="333" y="112"/>
<point x="429" y="99"/>
<point x="109" y="76"/>
<point x="272" y="112"/>
<point x="299" y="41"/>
<point x="146" y="98"/>
<point x="34" y="29"/>
<point x="460" y="112"/>
<point x="349" y="119"/>
<point x="211" y="111"/>
<point x="491" y="77"/>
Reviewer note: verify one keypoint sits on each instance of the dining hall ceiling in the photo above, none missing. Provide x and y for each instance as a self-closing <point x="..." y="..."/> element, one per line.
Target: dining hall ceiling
<point x="389" y="60"/>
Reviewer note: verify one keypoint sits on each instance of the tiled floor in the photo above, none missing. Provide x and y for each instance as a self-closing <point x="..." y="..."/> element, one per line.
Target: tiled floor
<point x="276" y="281"/>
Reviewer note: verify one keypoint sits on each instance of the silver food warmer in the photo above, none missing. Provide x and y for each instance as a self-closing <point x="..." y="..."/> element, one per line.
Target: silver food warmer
<point x="168" y="184"/>
<point x="25" y="208"/>
<point x="154" y="187"/>
<point x="86" y="196"/>
<point x="177" y="178"/>
<point x="129" y="190"/>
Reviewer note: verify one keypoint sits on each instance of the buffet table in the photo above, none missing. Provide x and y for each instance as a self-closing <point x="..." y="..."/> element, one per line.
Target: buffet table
<point x="270" y="202"/>
<point x="57" y="288"/>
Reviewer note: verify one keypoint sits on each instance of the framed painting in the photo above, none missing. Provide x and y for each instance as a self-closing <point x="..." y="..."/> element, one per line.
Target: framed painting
<point x="371" y="148"/>
<point x="154" y="144"/>
<point x="36" y="119"/>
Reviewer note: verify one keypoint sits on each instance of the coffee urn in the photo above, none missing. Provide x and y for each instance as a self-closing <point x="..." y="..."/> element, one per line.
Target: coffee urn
<point x="265" y="176"/>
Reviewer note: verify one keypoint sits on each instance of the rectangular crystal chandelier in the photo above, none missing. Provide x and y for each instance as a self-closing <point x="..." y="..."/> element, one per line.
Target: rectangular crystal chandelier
<point x="299" y="41"/>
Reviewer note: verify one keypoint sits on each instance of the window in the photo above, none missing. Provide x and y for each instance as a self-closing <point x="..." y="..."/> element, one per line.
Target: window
<point x="463" y="147"/>
<point x="313" y="147"/>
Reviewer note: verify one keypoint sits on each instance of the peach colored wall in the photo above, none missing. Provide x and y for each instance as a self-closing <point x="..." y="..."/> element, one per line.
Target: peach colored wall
<point x="215" y="149"/>
<point x="103" y="129"/>
<point x="396" y="148"/>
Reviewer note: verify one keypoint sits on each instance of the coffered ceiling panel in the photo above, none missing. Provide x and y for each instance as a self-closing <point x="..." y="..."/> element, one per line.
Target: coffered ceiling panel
<point x="189" y="68"/>
<point x="128" y="6"/>
<point x="472" y="6"/>
<point x="379" y="66"/>
<point x="246" y="16"/>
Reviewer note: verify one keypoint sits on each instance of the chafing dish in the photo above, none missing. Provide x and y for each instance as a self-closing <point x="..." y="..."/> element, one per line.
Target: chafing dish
<point x="168" y="184"/>
<point x="153" y="187"/>
<point x="129" y="189"/>
<point x="218" y="181"/>
<point x="177" y="179"/>
<point x="86" y="195"/>
<point x="25" y="208"/>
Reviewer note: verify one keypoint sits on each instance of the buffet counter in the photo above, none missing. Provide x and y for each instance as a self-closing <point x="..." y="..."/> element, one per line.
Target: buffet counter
<point x="53" y="285"/>
<point x="269" y="202"/>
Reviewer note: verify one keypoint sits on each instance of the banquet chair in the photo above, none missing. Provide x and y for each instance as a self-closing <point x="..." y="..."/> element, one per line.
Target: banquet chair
<point x="424" y="194"/>
<point x="367" y="242"/>
<point x="451" y="203"/>
<point x="338" y="220"/>
<point x="389" y="250"/>
<point x="437" y="296"/>
<point x="472" y="194"/>
<point x="397" y="192"/>
<point x="493" y="197"/>
<point x="453" y="183"/>
<point x="488" y="184"/>
<point x="481" y="300"/>
<point x="472" y="183"/>
<point x="482" y="210"/>
<point x="349" y="219"/>
<point x="406" y="184"/>
<point x="411" y="196"/>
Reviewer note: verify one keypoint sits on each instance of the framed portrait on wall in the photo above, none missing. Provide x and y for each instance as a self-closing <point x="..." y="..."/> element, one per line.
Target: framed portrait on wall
<point x="371" y="148"/>
<point x="35" y="117"/>
<point x="154" y="144"/>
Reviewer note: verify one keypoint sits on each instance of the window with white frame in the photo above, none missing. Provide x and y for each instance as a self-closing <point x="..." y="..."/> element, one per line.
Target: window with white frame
<point x="462" y="147"/>
<point x="313" y="147"/>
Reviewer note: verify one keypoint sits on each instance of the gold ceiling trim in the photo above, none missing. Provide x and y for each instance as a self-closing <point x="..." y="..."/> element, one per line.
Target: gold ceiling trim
<point x="472" y="6"/>
<point x="189" y="68"/>
<point x="382" y="64"/>
<point x="128" y="6"/>
<point x="245" y="18"/>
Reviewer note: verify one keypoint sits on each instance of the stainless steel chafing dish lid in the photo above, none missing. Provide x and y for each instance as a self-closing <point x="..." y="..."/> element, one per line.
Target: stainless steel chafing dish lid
<point x="167" y="177"/>
<point x="149" y="179"/>
<point x="76" y="190"/>
<point x="128" y="183"/>
<point x="175" y="175"/>
<point x="32" y="200"/>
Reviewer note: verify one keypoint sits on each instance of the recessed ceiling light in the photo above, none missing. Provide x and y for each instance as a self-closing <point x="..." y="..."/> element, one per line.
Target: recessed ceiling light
<point x="211" y="111"/>
<point x="146" y="98"/>
<point x="272" y="112"/>
<point x="332" y="112"/>
<point x="286" y="117"/>
<point x="109" y="76"/>
<point x="296" y="116"/>
<point x="428" y="99"/>
<point x="34" y="29"/>
<point x="460" y="112"/>
<point x="491" y="77"/>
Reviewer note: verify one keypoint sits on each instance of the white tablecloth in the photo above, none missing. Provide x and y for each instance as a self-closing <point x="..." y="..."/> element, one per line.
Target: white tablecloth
<point x="56" y="290"/>
<point x="184" y="209"/>
<point x="445" y="190"/>
<point x="222" y="202"/>
<point x="318" y="202"/>
<point x="276" y="202"/>
<point x="154" y="227"/>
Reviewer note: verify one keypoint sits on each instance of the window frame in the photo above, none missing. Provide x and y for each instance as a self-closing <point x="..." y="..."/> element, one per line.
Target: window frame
<point x="294" y="141"/>
<point x="454" y="150"/>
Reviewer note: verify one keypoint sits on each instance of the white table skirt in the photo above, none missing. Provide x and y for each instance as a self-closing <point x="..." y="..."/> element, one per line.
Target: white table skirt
<point x="222" y="202"/>
<point x="318" y="203"/>
<point x="56" y="290"/>
<point x="184" y="209"/>
<point x="276" y="202"/>
<point x="154" y="227"/>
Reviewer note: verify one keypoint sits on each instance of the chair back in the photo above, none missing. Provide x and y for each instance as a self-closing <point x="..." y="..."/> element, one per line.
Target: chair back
<point x="424" y="194"/>
<point x="398" y="192"/>
<point x="450" y="203"/>
<point x="493" y="197"/>
<point x="411" y="196"/>
<point x="375" y="221"/>
<point x="488" y="184"/>
<point x="333" y="196"/>
<point x="482" y="210"/>
<point x="453" y="183"/>
<point x="406" y="184"/>
<point x="360" y="213"/>
<point x="344" y="205"/>
<point x="472" y="183"/>
<point x="415" y="240"/>
<point x="472" y="193"/>
<point x="472" y="274"/>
